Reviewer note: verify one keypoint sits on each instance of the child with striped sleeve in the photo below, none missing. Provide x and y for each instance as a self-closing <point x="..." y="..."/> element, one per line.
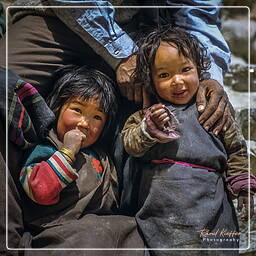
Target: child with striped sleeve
<point x="84" y="103"/>
<point x="71" y="184"/>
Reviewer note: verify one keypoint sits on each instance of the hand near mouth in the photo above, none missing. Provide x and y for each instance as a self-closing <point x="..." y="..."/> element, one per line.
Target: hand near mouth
<point x="73" y="140"/>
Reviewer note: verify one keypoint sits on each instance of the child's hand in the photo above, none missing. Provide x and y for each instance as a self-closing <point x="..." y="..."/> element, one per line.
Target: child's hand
<point x="243" y="204"/>
<point x="159" y="115"/>
<point x="73" y="140"/>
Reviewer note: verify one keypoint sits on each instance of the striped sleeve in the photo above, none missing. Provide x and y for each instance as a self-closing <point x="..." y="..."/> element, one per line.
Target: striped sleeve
<point x="44" y="181"/>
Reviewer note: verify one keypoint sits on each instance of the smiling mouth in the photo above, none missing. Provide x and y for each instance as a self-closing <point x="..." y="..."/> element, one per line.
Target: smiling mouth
<point x="180" y="93"/>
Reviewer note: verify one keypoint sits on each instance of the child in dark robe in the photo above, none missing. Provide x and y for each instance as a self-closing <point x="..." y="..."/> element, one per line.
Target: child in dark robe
<point x="183" y="199"/>
<point x="70" y="181"/>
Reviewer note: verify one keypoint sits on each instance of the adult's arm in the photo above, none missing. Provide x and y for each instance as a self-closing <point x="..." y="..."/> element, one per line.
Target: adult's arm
<point x="204" y="23"/>
<point x="96" y="26"/>
<point x="237" y="164"/>
<point x="238" y="178"/>
<point x="202" y="20"/>
<point x="98" y="22"/>
<point x="94" y="22"/>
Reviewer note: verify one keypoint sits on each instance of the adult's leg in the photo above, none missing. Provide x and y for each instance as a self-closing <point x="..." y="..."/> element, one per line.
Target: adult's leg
<point x="37" y="46"/>
<point x="2" y="21"/>
<point x="15" y="220"/>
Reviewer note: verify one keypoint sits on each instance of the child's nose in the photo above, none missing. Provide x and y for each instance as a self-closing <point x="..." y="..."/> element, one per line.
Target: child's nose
<point x="84" y="122"/>
<point x="177" y="80"/>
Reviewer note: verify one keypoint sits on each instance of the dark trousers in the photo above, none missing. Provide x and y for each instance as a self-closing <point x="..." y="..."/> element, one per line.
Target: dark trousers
<point x="37" y="46"/>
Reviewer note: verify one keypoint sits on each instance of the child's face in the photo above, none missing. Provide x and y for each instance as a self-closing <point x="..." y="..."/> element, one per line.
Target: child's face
<point x="84" y="115"/>
<point x="175" y="77"/>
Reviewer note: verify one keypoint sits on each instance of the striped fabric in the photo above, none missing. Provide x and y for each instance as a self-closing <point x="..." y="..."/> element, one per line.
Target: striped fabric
<point x="44" y="181"/>
<point x="26" y="90"/>
<point x="28" y="114"/>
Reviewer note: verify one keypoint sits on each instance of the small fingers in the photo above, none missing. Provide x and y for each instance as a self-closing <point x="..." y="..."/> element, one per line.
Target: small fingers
<point x="163" y="117"/>
<point x="156" y="107"/>
<point x="158" y="113"/>
<point x="84" y="137"/>
<point x="163" y="122"/>
<point x="245" y="216"/>
<point x="243" y="205"/>
<point x="239" y="204"/>
<point x="251" y="206"/>
<point x="249" y="209"/>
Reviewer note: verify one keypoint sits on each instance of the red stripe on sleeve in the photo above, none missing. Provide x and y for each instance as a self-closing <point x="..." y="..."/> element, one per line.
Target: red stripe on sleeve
<point x="44" y="184"/>
<point x="63" y="167"/>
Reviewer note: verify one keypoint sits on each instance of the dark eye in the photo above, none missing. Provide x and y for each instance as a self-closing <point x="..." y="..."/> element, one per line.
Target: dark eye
<point x="97" y="117"/>
<point x="163" y="75"/>
<point x="78" y="110"/>
<point x="186" y="69"/>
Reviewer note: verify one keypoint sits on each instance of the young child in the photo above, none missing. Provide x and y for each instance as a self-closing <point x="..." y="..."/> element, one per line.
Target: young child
<point x="85" y="106"/>
<point x="70" y="179"/>
<point x="183" y="200"/>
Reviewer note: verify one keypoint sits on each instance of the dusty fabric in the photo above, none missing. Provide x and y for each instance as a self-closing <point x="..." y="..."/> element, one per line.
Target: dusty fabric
<point x="87" y="194"/>
<point x="85" y="215"/>
<point x="176" y="202"/>
<point x="15" y="216"/>
<point x="232" y="151"/>
<point x="180" y="204"/>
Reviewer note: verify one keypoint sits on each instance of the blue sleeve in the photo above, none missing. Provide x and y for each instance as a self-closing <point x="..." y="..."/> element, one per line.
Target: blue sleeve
<point x="107" y="38"/>
<point x="204" y="23"/>
<point x="40" y="153"/>
<point x="97" y="22"/>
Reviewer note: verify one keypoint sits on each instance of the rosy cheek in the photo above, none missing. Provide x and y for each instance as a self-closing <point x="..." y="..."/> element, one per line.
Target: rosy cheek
<point x="96" y="131"/>
<point x="68" y="119"/>
<point x="66" y="123"/>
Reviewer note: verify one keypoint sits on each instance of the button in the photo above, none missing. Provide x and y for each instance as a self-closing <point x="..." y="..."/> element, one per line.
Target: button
<point x="206" y="75"/>
<point x="116" y="52"/>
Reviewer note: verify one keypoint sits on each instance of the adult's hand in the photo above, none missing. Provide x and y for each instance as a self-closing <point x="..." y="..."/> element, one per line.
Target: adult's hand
<point x="134" y="92"/>
<point x="124" y="79"/>
<point x="214" y="106"/>
<point x="243" y="204"/>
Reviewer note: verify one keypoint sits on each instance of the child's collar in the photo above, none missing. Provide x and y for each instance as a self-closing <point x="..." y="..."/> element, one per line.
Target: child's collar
<point x="168" y="103"/>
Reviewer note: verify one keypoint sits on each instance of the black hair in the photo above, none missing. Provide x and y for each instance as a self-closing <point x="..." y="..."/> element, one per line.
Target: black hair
<point x="187" y="44"/>
<point x="75" y="81"/>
